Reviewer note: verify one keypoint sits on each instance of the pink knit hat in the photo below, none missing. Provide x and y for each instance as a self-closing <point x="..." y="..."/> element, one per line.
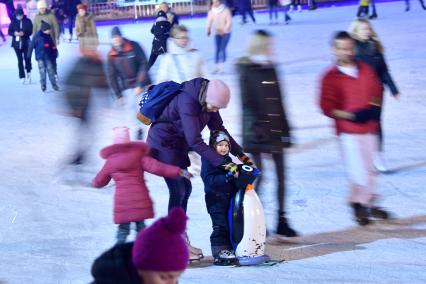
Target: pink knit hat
<point x="161" y="246"/>
<point x="121" y="135"/>
<point x="218" y="94"/>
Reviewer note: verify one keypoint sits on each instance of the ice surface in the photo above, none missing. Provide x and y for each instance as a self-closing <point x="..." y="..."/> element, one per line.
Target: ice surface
<point x="51" y="232"/>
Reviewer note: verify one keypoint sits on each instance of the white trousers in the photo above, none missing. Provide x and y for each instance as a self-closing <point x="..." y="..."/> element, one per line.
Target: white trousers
<point x="358" y="152"/>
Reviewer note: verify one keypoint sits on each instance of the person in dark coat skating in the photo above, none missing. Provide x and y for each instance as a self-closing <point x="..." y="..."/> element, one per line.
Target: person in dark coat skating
<point x="71" y="14"/>
<point x="161" y="32"/>
<point x="128" y="75"/>
<point x="246" y="8"/>
<point x="45" y="54"/>
<point x="265" y="129"/>
<point x="20" y="29"/>
<point x="369" y="49"/>
<point x="179" y="132"/>
<point x="86" y="75"/>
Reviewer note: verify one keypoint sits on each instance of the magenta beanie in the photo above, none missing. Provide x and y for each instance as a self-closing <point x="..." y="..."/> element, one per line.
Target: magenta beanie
<point x="218" y="94"/>
<point x="161" y="246"/>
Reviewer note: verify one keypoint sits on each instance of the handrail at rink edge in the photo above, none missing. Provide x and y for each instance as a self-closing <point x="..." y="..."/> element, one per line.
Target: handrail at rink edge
<point x="122" y="9"/>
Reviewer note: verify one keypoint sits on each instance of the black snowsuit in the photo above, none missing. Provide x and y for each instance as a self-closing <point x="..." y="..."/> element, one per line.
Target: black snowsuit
<point x="161" y="32"/>
<point x="22" y="43"/>
<point x="219" y="188"/>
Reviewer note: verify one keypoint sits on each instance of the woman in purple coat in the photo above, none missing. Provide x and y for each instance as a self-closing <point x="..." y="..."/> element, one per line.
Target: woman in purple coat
<point x="178" y="131"/>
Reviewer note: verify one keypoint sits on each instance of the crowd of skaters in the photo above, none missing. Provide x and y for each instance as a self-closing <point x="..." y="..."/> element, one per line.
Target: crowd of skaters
<point x="344" y="97"/>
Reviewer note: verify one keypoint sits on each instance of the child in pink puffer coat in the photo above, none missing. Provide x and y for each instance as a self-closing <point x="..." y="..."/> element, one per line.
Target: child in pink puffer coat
<point x="126" y="163"/>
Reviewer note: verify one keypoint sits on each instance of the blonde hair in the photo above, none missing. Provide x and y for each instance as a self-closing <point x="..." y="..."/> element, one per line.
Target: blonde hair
<point x="177" y="30"/>
<point x="259" y="43"/>
<point x="354" y="28"/>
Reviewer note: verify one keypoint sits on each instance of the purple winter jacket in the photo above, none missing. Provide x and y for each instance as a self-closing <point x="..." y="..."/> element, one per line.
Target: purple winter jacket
<point x="170" y="141"/>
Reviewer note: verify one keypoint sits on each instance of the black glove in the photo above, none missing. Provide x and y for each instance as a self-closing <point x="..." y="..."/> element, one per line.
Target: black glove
<point x="366" y="114"/>
<point x="375" y="112"/>
<point x="362" y="115"/>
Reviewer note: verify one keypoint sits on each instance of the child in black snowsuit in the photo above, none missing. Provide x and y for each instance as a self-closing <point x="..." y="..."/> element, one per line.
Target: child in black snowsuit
<point x="161" y="32"/>
<point x="219" y="187"/>
<point x="45" y="53"/>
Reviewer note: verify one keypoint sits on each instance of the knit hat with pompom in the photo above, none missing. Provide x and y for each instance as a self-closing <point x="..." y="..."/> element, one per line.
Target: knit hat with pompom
<point x="161" y="246"/>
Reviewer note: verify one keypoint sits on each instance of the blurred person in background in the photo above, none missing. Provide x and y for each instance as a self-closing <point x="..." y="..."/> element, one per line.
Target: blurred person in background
<point x="32" y="11"/>
<point x="407" y="5"/>
<point x="351" y="94"/>
<point x="265" y="129"/>
<point x="85" y="27"/>
<point x="219" y="18"/>
<point x="369" y="49"/>
<point x="45" y="15"/>
<point x="245" y="8"/>
<point x="20" y="29"/>
<point x="181" y="62"/>
<point x="128" y="76"/>
<point x="10" y="8"/>
<point x="71" y="14"/>
<point x="58" y="8"/>
<point x="45" y="54"/>
<point x="171" y="16"/>
<point x="294" y="4"/>
<point x="158" y="255"/>
<point x="161" y="32"/>
<point x="86" y="75"/>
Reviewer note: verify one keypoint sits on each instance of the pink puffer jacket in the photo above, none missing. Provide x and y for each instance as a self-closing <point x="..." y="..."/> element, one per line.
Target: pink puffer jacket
<point x="126" y="163"/>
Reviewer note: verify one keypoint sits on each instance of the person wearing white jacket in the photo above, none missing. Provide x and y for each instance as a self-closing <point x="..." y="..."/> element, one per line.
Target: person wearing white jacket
<point x="181" y="62"/>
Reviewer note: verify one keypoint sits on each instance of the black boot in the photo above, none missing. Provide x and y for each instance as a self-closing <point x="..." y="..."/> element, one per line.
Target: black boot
<point x="379" y="213"/>
<point x="361" y="214"/>
<point x="284" y="228"/>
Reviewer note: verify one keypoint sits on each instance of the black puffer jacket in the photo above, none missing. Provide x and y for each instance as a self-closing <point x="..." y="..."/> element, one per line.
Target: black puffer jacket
<point x="115" y="266"/>
<point x="161" y="32"/>
<point x="25" y="25"/>
<point x="127" y="68"/>
<point x="265" y="125"/>
<point x="368" y="52"/>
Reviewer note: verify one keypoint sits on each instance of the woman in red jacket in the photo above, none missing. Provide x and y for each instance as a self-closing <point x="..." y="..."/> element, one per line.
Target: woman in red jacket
<point x="126" y="162"/>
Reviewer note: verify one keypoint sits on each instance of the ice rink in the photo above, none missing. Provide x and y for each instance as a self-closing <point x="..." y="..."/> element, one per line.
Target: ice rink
<point x="51" y="232"/>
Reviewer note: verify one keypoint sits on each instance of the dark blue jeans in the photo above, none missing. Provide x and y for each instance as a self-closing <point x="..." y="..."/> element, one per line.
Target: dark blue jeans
<point x="221" y="42"/>
<point x="179" y="191"/>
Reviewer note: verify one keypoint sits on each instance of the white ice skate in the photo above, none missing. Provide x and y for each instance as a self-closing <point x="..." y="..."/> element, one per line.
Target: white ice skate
<point x="22" y="81"/>
<point x="225" y="258"/>
<point x="29" y="77"/>
<point x="380" y="164"/>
